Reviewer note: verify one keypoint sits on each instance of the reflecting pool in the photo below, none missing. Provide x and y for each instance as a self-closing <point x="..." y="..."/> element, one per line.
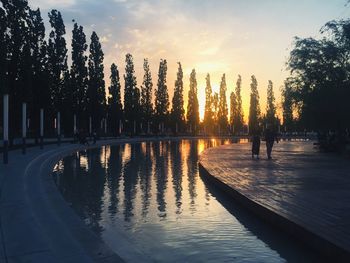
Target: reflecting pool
<point x="148" y="202"/>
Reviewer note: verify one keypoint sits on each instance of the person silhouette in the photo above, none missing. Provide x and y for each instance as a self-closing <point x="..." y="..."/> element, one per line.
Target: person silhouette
<point x="270" y="137"/>
<point x="256" y="144"/>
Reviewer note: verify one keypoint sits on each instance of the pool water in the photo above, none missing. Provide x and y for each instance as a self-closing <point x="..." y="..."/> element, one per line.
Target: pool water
<point x="148" y="202"/>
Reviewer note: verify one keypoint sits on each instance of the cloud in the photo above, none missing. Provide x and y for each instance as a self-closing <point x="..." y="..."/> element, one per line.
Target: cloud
<point x="48" y="4"/>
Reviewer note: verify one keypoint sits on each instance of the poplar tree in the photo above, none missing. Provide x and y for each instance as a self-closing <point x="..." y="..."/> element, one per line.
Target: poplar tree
<point x="254" y="109"/>
<point x="40" y="69"/>
<point x="162" y="97"/>
<point x="270" y="105"/>
<point x="96" y="94"/>
<point x="287" y="106"/>
<point x="16" y="37"/>
<point x="3" y="57"/>
<point x="4" y="38"/>
<point x="192" y="105"/>
<point x="177" y="111"/>
<point x="222" y="111"/>
<point x="146" y="94"/>
<point x="115" y="108"/>
<point x="233" y="111"/>
<point x="78" y="73"/>
<point x="215" y="107"/>
<point x="238" y="120"/>
<point x="208" y="108"/>
<point x="57" y="55"/>
<point x="131" y="95"/>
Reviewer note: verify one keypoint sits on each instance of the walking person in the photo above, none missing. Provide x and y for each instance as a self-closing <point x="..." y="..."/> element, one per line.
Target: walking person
<point x="94" y="137"/>
<point x="270" y="137"/>
<point x="256" y="145"/>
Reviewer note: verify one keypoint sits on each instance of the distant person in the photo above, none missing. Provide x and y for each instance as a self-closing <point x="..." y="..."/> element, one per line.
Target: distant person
<point x="82" y="138"/>
<point x="76" y="137"/>
<point x="94" y="137"/>
<point x="270" y="137"/>
<point x="256" y="145"/>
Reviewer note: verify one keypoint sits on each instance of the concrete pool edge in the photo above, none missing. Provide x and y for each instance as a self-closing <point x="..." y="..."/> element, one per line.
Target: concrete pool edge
<point x="294" y="229"/>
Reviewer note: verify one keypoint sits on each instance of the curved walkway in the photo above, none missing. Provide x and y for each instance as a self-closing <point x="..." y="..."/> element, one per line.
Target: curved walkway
<point x="300" y="190"/>
<point x="36" y="224"/>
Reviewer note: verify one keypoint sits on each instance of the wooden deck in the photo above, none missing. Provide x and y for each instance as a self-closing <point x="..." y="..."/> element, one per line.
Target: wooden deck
<point x="305" y="192"/>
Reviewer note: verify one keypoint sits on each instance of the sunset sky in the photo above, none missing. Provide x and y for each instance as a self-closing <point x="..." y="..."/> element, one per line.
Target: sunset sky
<point x="216" y="37"/>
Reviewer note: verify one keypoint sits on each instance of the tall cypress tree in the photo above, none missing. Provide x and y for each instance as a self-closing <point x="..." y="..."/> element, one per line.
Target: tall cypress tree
<point x="146" y="94"/>
<point x="270" y="105"/>
<point x="287" y="106"/>
<point x="4" y="37"/>
<point x="3" y="57"/>
<point x="96" y="94"/>
<point x="233" y="111"/>
<point x="238" y="121"/>
<point x="40" y="72"/>
<point x="192" y="105"/>
<point x="254" y="109"/>
<point x="162" y="96"/>
<point x="215" y="107"/>
<point x="223" y="111"/>
<point x="115" y="108"/>
<point x="17" y="49"/>
<point x="78" y="74"/>
<point x="178" y="111"/>
<point x="57" y="54"/>
<point x="131" y="95"/>
<point x="208" y="109"/>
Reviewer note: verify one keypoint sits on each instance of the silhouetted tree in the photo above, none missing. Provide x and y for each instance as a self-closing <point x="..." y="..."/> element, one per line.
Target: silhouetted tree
<point x="233" y="110"/>
<point x="215" y="107"/>
<point x="254" y="109"/>
<point x="162" y="97"/>
<point x="177" y="111"/>
<point x="270" y="106"/>
<point x="78" y="75"/>
<point x="115" y="108"/>
<point x="208" y="108"/>
<point x="96" y="94"/>
<point x="222" y="111"/>
<point x="320" y="78"/>
<point x="287" y="106"/>
<point x="131" y="95"/>
<point x="146" y="95"/>
<point x="4" y="38"/>
<point x="192" y="105"/>
<point x="40" y="91"/>
<point x="16" y="37"/>
<point x="238" y="119"/>
<point x="57" y="60"/>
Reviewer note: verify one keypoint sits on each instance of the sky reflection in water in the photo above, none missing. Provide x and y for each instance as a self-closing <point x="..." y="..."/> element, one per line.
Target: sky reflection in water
<point x="148" y="199"/>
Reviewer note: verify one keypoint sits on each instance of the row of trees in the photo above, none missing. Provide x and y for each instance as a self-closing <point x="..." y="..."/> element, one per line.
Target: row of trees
<point x="34" y="69"/>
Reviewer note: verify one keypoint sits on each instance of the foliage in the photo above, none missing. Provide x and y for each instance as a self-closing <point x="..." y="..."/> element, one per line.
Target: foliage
<point x="222" y="111"/>
<point x="254" y="109"/>
<point x="146" y="92"/>
<point x="96" y="94"/>
<point x="115" y="107"/>
<point x="192" y="105"/>
<point x="320" y="78"/>
<point x="177" y="111"/>
<point x="208" y="108"/>
<point x="162" y="97"/>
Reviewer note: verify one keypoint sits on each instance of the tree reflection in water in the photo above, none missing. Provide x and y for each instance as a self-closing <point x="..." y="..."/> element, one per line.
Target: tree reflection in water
<point x="152" y="193"/>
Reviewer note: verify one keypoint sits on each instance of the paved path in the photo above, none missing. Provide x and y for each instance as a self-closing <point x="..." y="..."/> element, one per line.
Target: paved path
<point x="305" y="192"/>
